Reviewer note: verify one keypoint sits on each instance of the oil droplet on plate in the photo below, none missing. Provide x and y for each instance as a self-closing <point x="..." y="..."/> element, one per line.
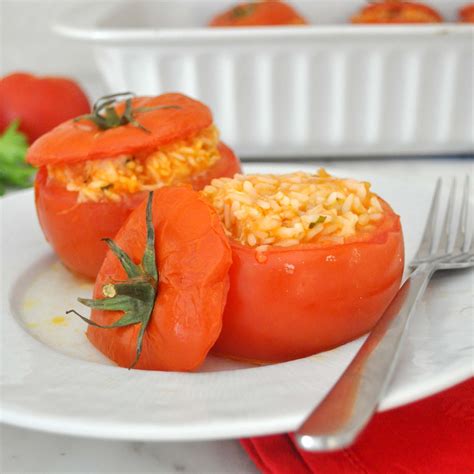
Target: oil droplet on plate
<point x="59" y="320"/>
<point x="29" y="303"/>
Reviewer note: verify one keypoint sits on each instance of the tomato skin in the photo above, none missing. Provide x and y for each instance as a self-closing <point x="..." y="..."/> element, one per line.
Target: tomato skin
<point x="227" y="166"/>
<point x="193" y="258"/>
<point x="307" y="299"/>
<point x="266" y="13"/>
<point x="397" y="12"/>
<point x="75" y="229"/>
<point x="466" y="13"/>
<point x="41" y="103"/>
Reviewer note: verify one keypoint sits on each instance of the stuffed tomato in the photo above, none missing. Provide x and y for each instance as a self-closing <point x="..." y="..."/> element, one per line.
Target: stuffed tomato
<point x="316" y="260"/>
<point x="261" y="13"/>
<point x="466" y="13"/>
<point x="93" y="171"/>
<point x="397" y="11"/>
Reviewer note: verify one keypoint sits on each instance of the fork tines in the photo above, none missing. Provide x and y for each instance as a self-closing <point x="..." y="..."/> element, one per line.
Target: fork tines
<point x="451" y="240"/>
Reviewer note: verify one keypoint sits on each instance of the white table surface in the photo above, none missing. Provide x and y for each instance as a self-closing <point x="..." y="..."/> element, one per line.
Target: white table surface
<point x="23" y="451"/>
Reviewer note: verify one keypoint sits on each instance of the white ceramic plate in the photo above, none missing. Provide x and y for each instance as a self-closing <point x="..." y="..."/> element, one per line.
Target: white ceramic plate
<point x="53" y="379"/>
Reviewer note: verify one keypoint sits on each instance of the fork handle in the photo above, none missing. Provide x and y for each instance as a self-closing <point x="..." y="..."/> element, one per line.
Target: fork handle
<point x="347" y="408"/>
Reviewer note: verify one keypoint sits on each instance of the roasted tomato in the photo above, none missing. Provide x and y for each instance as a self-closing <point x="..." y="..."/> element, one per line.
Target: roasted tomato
<point x="161" y="290"/>
<point x="316" y="261"/>
<point x="395" y="11"/>
<point x="263" y="13"/>
<point x="466" y="13"/>
<point x="40" y="103"/>
<point x="93" y="174"/>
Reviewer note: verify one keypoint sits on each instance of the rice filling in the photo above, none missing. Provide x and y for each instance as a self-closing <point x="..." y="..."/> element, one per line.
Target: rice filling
<point x="109" y="179"/>
<point x="286" y="210"/>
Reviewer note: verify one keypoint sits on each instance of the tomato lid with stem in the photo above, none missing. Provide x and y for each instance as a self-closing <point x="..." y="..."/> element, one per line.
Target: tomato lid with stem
<point x="121" y="127"/>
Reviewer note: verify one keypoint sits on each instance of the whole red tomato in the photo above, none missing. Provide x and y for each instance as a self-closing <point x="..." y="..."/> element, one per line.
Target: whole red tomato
<point x="40" y="103"/>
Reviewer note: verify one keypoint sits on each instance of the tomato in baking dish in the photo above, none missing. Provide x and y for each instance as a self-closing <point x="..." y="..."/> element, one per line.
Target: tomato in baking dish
<point x="466" y="13"/>
<point x="315" y="261"/>
<point x="160" y="292"/>
<point x="259" y="13"/>
<point x="96" y="169"/>
<point x="394" y="11"/>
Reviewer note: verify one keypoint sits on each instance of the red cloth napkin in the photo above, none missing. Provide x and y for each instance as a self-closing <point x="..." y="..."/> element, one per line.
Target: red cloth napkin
<point x="431" y="436"/>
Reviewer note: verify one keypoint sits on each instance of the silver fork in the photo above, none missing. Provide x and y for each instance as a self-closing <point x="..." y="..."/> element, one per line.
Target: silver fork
<point x="344" y="412"/>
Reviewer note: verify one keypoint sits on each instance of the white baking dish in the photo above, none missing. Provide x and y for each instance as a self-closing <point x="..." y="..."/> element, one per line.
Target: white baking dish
<point x="330" y="89"/>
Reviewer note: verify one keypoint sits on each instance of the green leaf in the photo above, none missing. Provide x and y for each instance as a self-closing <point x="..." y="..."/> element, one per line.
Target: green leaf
<point x="105" y="116"/>
<point x="128" y="113"/>
<point x="135" y="310"/>
<point x="320" y="220"/>
<point x="241" y="11"/>
<point x="157" y="107"/>
<point x="135" y="289"/>
<point x="135" y="296"/>
<point x="13" y="145"/>
<point x="130" y="268"/>
<point x="16" y="175"/>
<point x="14" y="171"/>
<point x="117" y="303"/>
<point x="141" y="333"/>
<point x="149" y="257"/>
<point x="107" y="100"/>
<point x="111" y="117"/>
<point x="126" y="320"/>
